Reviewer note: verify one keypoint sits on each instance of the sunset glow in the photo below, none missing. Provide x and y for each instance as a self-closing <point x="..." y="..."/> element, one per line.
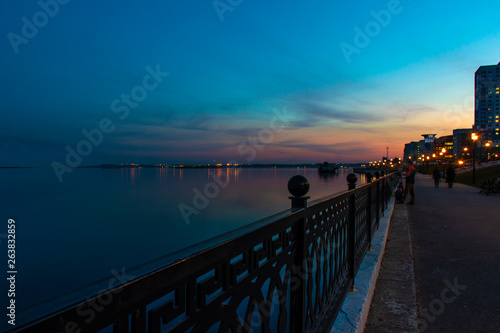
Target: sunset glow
<point x="183" y="82"/>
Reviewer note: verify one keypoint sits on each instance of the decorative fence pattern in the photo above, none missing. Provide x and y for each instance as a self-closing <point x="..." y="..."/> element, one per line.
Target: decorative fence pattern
<point x="290" y="275"/>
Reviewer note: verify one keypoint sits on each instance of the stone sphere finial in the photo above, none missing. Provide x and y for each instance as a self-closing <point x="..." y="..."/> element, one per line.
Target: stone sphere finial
<point x="298" y="186"/>
<point x="352" y="178"/>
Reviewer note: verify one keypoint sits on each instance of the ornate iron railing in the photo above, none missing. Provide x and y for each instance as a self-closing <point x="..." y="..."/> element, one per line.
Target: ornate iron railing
<point x="290" y="275"/>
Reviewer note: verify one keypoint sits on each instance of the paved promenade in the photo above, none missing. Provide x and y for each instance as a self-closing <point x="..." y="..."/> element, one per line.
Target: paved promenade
<point x="455" y="237"/>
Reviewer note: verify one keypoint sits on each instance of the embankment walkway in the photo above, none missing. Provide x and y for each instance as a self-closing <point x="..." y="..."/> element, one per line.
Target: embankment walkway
<point x="455" y="241"/>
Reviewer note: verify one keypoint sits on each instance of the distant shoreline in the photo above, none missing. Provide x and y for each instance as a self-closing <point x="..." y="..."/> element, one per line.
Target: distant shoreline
<point x="207" y="166"/>
<point x="187" y="166"/>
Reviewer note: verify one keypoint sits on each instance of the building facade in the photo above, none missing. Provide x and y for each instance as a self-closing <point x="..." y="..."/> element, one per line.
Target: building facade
<point x="487" y="104"/>
<point x="412" y="151"/>
<point x="460" y="147"/>
<point x="416" y="149"/>
<point x="462" y="143"/>
<point x="443" y="149"/>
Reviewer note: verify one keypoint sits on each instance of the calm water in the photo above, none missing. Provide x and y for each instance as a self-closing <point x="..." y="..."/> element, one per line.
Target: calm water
<point x="97" y="221"/>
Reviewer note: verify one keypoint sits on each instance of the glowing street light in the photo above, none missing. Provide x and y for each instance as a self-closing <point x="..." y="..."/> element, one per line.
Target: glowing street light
<point x="464" y="152"/>
<point x="487" y="146"/>
<point x="474" y="137"/>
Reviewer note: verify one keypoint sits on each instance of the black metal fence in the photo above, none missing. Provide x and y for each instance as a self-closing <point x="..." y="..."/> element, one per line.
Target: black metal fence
<point x="290" y="275"/>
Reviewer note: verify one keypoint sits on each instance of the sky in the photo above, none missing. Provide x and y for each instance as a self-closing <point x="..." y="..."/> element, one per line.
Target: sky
<point x="92" y="82"/>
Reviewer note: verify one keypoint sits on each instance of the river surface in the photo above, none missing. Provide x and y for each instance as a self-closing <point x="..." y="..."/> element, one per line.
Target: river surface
<point x="73" y="237"/>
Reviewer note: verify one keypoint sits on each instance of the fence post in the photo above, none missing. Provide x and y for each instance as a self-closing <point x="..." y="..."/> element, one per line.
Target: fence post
<point x="377" y="215"/>
<point x="352" y="237"/>
<point x="369" y="177"/>
<point x="351" y="181"/>
<point x="384" y="202"/>
<point x="369" y="218"/>
<point x="298" y="186"/>
<point x="298" y="296"/>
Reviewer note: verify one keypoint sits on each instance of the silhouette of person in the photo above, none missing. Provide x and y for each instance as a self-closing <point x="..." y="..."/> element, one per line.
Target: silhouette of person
<point x="410" y="183"/>
<point x="450" y="176"/>
<point x="436" y="175"/>
<point x="399" y="192"/>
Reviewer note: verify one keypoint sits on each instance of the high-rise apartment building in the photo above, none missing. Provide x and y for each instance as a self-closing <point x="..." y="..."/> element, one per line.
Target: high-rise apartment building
<point x="462" y="143"/>
<point x="487" y="105"/>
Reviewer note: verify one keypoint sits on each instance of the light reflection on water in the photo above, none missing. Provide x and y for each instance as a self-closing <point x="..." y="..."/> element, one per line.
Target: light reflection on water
<point x="98" y="220"/>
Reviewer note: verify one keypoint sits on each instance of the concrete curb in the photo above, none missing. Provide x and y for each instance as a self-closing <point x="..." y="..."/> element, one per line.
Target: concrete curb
<point x="354" y="312"/>
<point x="393" y="307"/>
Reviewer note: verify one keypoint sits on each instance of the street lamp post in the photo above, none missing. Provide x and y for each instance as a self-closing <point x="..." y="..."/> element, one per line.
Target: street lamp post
<point x="442" y="153"/>
<point x="474" y="138"/>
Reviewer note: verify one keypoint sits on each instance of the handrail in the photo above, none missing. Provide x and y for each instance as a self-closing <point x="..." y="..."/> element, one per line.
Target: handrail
<point x="289" y="275"/>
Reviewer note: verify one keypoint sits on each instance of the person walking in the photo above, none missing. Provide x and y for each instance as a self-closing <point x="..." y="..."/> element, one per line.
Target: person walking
<point x="436" y="174"/>
<point x="410" y="183"/>
<point x="450" y="176"/>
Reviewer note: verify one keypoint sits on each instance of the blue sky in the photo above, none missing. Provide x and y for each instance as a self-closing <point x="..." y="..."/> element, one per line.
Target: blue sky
<point x="232" y="67"/>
